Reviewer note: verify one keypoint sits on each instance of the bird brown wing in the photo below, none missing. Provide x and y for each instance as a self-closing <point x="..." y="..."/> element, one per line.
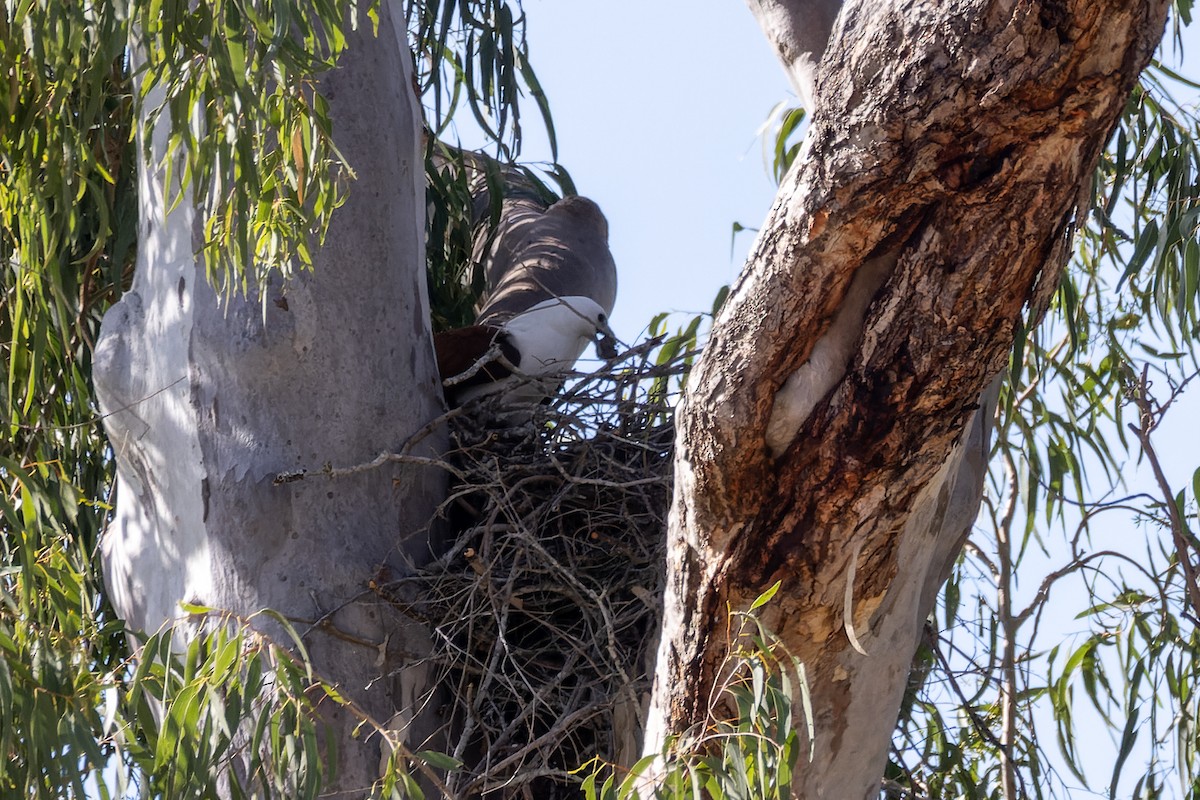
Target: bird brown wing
<point x="458" y="350"/>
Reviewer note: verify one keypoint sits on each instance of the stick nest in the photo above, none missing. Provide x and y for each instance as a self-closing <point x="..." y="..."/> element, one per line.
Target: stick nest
<point x="545" y="607"/>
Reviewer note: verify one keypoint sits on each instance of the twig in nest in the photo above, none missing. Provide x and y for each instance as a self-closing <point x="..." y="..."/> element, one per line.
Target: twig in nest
<point x="545" y="602"/>
<point x="401" y="457"/>
<point x="493" y="353"/>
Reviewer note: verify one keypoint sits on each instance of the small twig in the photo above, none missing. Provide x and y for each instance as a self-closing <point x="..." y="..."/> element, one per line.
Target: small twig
<point x="581" y="481"/>
<point x="401" y="457"/>
<point x="1147" y="422"/>
<point x="493" y="353"/>
<point x="325" y="625"/>
<point x="101" y="417"/>
<point x="1010" y="625"/>
<point x="965" y="703"/>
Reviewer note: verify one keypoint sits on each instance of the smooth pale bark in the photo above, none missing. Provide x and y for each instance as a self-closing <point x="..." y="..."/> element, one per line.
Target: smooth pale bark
<point x="952" y="141"/>
<point x="207" y="402"/>
<point x="798" y="31"/>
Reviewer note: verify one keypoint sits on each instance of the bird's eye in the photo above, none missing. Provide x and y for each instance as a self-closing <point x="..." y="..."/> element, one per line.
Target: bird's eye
<point x="603" y="319"/>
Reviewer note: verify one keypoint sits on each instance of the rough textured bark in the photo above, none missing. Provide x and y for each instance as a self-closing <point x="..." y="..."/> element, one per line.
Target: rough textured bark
<point x="209" y="401"/>
<point x="952" y="141"/>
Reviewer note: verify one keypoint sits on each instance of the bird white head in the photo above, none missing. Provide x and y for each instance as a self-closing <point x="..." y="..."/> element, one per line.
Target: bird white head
<point x="552" y="334"/>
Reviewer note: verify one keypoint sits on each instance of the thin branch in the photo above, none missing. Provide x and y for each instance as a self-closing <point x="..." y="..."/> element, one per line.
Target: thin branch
<point x="1148" y="421"/>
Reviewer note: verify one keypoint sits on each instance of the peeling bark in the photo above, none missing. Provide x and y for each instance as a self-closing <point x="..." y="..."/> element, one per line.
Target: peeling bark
<point x="955" y="138"/>
<point x="207" y="401"/>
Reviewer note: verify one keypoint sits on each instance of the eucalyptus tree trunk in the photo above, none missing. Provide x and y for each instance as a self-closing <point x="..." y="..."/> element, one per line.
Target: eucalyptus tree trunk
<point x="209" y="400"/>
<point x="951" y="146"/>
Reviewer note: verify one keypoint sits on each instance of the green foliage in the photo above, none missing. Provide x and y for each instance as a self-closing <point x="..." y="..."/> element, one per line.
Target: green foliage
<point x="750" y="747"/>
<point x="239" y="82"/>
<point x="783" y="136"/>
<point x="65" y="160"/>
<point x="465" y="192"/>
<point x="78" y="712"/>
<point x="235" y="84"/>
<point x="1127" y="314"/>
<point x="1130" y="298"/>
<point x="455" y="278"/>
<point x="686" y="340"/>
<point x="67" y="233"/>
<point x="57" y="655"/>
<point x="68" y="216"/>
<point x="67" y="230"/>
<point x="473" y="54"/>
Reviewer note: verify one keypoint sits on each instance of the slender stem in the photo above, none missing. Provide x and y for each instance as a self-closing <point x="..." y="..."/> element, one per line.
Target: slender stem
<point x="1009" y="625"/>
<point x="1147" y="422"/>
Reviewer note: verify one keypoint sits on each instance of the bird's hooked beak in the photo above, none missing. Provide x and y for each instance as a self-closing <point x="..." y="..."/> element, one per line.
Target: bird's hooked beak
<point x="605" y="340"/>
